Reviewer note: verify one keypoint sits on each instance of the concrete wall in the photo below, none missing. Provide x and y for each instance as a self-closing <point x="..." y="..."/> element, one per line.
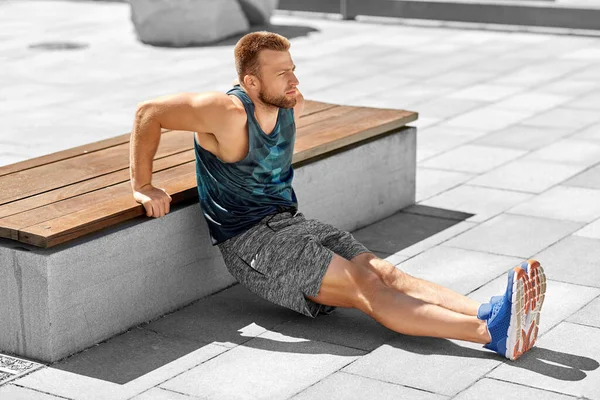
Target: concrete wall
<point x="55" y="302"/>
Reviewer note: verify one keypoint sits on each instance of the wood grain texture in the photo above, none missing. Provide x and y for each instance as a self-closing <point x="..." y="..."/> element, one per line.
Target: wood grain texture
<point x="58" y="197"/>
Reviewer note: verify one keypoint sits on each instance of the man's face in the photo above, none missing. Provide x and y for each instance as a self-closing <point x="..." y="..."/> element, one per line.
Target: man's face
<point x="278" y="81"/>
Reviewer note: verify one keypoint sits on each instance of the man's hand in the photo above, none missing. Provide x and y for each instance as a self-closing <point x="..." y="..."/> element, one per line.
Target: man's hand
<point x="156" y="201"/>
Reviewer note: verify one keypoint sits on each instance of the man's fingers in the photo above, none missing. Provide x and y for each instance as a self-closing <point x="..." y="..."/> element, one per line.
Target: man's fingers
<point x="167" y="206"/>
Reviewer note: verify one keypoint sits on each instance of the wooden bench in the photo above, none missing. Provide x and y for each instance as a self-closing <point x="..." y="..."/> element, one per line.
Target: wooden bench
<point x="80" y="261"/>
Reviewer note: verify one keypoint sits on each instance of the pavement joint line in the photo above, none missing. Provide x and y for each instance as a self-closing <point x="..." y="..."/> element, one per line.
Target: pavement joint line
<point x="394" y="383"/>
<point x="535" y="387"/>
<point x="581" y="323"/>
<point x="41" y="391"/>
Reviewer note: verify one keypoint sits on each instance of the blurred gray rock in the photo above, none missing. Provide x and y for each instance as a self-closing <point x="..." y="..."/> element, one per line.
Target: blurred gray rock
<point x="258" y="12"/>
<point x="187" y="22"/>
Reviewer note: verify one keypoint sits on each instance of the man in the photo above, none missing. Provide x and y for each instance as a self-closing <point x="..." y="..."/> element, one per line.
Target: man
<point x="244" y="141"/>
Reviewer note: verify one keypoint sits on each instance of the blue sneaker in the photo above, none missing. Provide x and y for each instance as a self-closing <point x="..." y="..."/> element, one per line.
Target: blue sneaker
<point x="507" y="317"/>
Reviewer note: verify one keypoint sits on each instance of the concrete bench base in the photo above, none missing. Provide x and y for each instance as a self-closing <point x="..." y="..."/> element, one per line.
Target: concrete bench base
<point x="61" y="300"/>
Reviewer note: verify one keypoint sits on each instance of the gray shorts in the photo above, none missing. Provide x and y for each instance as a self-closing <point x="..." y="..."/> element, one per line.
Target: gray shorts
<point x="284" y="257"/>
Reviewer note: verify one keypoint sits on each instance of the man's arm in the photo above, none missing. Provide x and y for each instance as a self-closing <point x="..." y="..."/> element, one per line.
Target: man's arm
<point x="205" y="113"/>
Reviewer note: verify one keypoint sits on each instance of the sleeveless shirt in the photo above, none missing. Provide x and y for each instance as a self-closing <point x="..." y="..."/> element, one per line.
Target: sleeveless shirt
<point x="236" y="196"/>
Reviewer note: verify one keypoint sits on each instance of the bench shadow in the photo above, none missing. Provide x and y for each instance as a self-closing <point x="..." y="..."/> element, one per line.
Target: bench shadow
<point x="235" y="317"/>
<point x="288" y="31"/>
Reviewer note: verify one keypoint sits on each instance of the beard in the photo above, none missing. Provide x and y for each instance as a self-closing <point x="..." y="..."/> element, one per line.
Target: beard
<point x="276" y="101"/>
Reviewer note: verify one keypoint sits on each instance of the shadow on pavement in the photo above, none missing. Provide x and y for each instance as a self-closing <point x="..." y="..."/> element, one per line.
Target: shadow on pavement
<point x="288" y="31"/>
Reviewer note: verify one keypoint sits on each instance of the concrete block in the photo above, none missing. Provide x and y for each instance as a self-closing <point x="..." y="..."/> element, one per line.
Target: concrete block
<point x="258" y="12"/>
<point x="375" y="180"/>
<point x="186" y="22"/>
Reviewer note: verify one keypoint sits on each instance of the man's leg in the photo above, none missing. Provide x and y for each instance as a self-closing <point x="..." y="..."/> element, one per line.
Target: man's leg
<point x="347" y="284"/>
<point x="426" y="291"/>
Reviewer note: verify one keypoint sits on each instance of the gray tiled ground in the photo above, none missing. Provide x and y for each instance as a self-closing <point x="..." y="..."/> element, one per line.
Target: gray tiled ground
<point x="505" y="117"/>
<point x="514" y="235"/>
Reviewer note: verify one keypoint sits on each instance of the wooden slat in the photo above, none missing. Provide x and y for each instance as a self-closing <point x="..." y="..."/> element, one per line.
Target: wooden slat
<point x="322" y="115"/>
<point x="47" y="177"/>
<point x="65" y="154"/>
<point x="116" y="205"/>
<point x="337" y="132"/>
<point x="311" y="107"/>
<point x="56" y="203"/>
<point x="33" y="203"/>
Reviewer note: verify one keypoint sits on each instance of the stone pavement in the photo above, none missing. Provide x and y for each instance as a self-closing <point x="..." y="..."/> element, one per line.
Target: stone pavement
<point x="509" y="132"/>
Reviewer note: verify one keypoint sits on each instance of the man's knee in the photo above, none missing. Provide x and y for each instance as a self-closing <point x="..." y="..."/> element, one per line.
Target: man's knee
<point x="347" y="284"/>
<point x="385" y="270"/>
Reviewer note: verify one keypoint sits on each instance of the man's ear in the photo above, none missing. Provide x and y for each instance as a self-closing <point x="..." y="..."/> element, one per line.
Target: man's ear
<point x="250" y="81"/>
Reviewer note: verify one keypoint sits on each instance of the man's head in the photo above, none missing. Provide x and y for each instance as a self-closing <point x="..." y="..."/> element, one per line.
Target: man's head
<point x="265" y="68"/>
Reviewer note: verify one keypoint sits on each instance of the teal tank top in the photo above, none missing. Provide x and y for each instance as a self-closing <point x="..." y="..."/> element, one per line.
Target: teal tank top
<point x="236" y="196"/>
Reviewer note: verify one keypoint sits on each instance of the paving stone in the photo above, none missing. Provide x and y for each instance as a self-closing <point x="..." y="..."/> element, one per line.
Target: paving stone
<point x="203" y="320"/>
<point x="538" y="73"/>
<point x="445" y="107"/>
<point x="431" y="182"/>
<point x="489" y="118"/>
<point x="436" y="239"/>
<point x="163" y="394"/>
<point x="514" y="235"/>
<point x="580" y="252"/>
<point x="430" y="361"/>
<point x="473" y="158"/>
<point x="588" y="315"/>
<point x="533" y="101"/>
<point x="569" y="86"/>
<point x="523" y="137"/>
<point x="510" y="391"/>
<point x="462" y="78"/>
<point x="559" y="303"/>
<point x="71" y="386"/>
<point x="559" y="363"/>
<point x="460" y="270"/>
<point x="484" y="203"/>
<point x="588" y="102"/>
<point x="591" y="133"/>
<point x="564" y="203"/>
<point x="12" y="392"/>
<point x="591" y="230"/>
<point x="486" y="92"/>
<point x="343" y="386"/>
<point x="590" y="53"/>
<point x="569" y="151"/>
<point x="128" y="356"/>
<point x="526" y="176"/>
<point x="269" y="366"/>
<point x="563" y="117"/>
<point x="440" y="138"/>
<point x="345" y="327"/>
